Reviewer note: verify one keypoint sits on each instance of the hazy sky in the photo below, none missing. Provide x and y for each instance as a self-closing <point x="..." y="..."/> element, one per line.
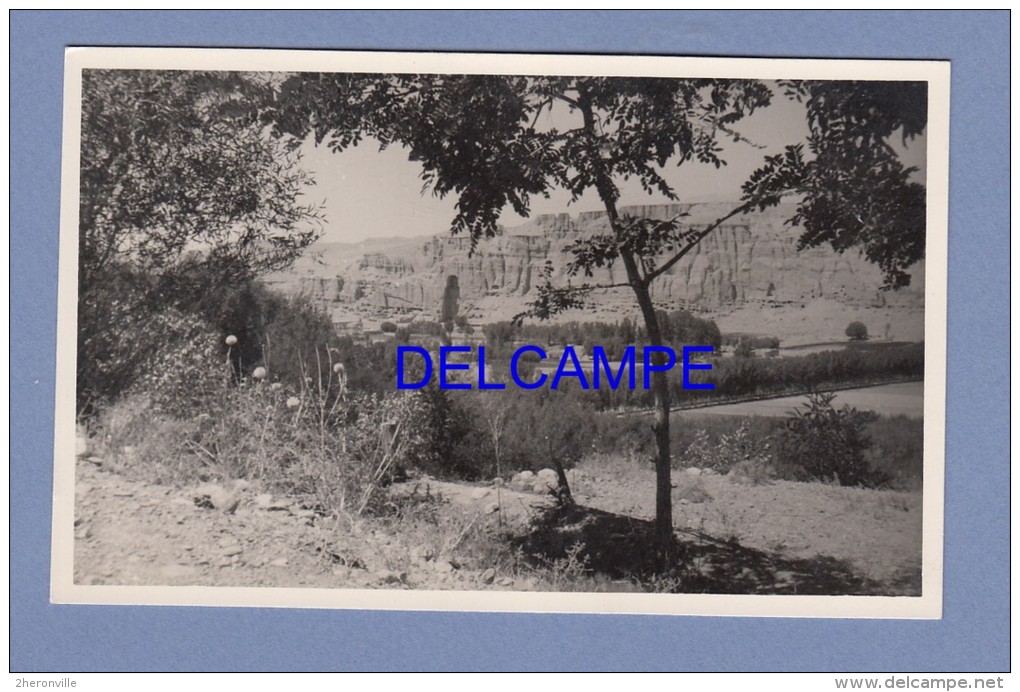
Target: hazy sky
<point x="368" y="193"/>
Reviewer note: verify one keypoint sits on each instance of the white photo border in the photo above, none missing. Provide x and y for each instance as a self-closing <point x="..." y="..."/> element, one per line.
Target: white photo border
<point x="926" y="606"/>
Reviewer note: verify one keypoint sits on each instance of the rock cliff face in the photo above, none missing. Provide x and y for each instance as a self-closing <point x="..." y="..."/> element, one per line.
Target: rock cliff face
<point x="752" y="259"/>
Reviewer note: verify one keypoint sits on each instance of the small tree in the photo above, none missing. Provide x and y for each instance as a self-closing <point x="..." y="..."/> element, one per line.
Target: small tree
<point x="175" y="162"/>
<point x="856" y="331"/>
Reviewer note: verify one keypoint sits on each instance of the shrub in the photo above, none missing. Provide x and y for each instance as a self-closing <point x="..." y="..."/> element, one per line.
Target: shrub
<point x="335" y="449"/>
<point x="745" y="450"/>
<point x="435" y="427"/>
<point x="856" y="331"/>
<point x="825" y="443"/>
<point x="131" y="340"/>
<point x="744" y="348"/>
<point x="388" y="327"/>
<point x="184" y="373"/>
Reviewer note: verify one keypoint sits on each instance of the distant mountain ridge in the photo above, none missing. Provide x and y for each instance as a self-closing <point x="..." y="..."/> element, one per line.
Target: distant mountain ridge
<point x="749" y="260"/>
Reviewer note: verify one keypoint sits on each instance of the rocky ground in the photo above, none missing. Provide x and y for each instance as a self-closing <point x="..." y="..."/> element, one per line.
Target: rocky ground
<point x="733" y="536"/>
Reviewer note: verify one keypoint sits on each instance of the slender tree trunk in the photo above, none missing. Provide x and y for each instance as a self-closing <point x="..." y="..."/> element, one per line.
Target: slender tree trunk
<point x="563" y="494"/>
<point x="660" y="385"/>
<point x="660" y="390"/>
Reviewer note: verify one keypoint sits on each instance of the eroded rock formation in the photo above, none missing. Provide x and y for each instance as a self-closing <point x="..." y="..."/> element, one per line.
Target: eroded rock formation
<point x="750" y="259"/>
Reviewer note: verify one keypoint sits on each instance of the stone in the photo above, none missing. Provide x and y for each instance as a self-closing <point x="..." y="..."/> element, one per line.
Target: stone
<point x="488" y="576"/>
<point x="279" y="562"/>
<point x="479" y="493"/>
<point x="548" y="476"/>
<point x="492" y="508"/>
<point x="505" y="581"/>
<point x="693" y="472"/>
<point x="444" y="566"/>
<point x="525" y="475"/>
<point x="231" y="550"/>
<point x="217" y="497"/>
<point x="263" y="500"/>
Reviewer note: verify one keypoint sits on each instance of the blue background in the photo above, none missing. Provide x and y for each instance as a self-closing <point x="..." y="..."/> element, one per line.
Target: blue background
<point x="974" y="634"/>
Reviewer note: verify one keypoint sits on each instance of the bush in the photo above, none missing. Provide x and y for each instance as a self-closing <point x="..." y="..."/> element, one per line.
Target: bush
<point x="436" y="427"/>
<point x="856" y="331"/>
<point x="184" y="372"/>
<point x="745" y="450"/>
<point x="821" y="442"/>
<point x="133" y="340"/>
<point x="388" y="327"/>
<point x="744" y="348"/>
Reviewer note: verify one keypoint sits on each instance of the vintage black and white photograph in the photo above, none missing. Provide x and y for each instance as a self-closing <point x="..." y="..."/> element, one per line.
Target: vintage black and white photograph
<point x="496" y="332"/>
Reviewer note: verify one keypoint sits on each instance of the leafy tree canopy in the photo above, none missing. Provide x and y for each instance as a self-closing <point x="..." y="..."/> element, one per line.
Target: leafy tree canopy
<point x="177" y="165"/>
<point x="853" y="189"/>
<point x="477" y="136"/>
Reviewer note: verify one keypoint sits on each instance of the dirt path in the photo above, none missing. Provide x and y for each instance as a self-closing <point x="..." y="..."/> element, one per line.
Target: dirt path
<point x="133" y="532"/>
<point x="136" y="533"/>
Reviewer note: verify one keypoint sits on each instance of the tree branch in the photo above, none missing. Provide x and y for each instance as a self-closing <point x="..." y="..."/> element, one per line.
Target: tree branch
<point x="599" y="287"/>
<point x="697" y="239"/>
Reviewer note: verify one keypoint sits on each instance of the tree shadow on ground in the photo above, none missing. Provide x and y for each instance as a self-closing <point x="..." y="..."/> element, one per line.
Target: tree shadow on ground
<point x="620" y="549"/>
